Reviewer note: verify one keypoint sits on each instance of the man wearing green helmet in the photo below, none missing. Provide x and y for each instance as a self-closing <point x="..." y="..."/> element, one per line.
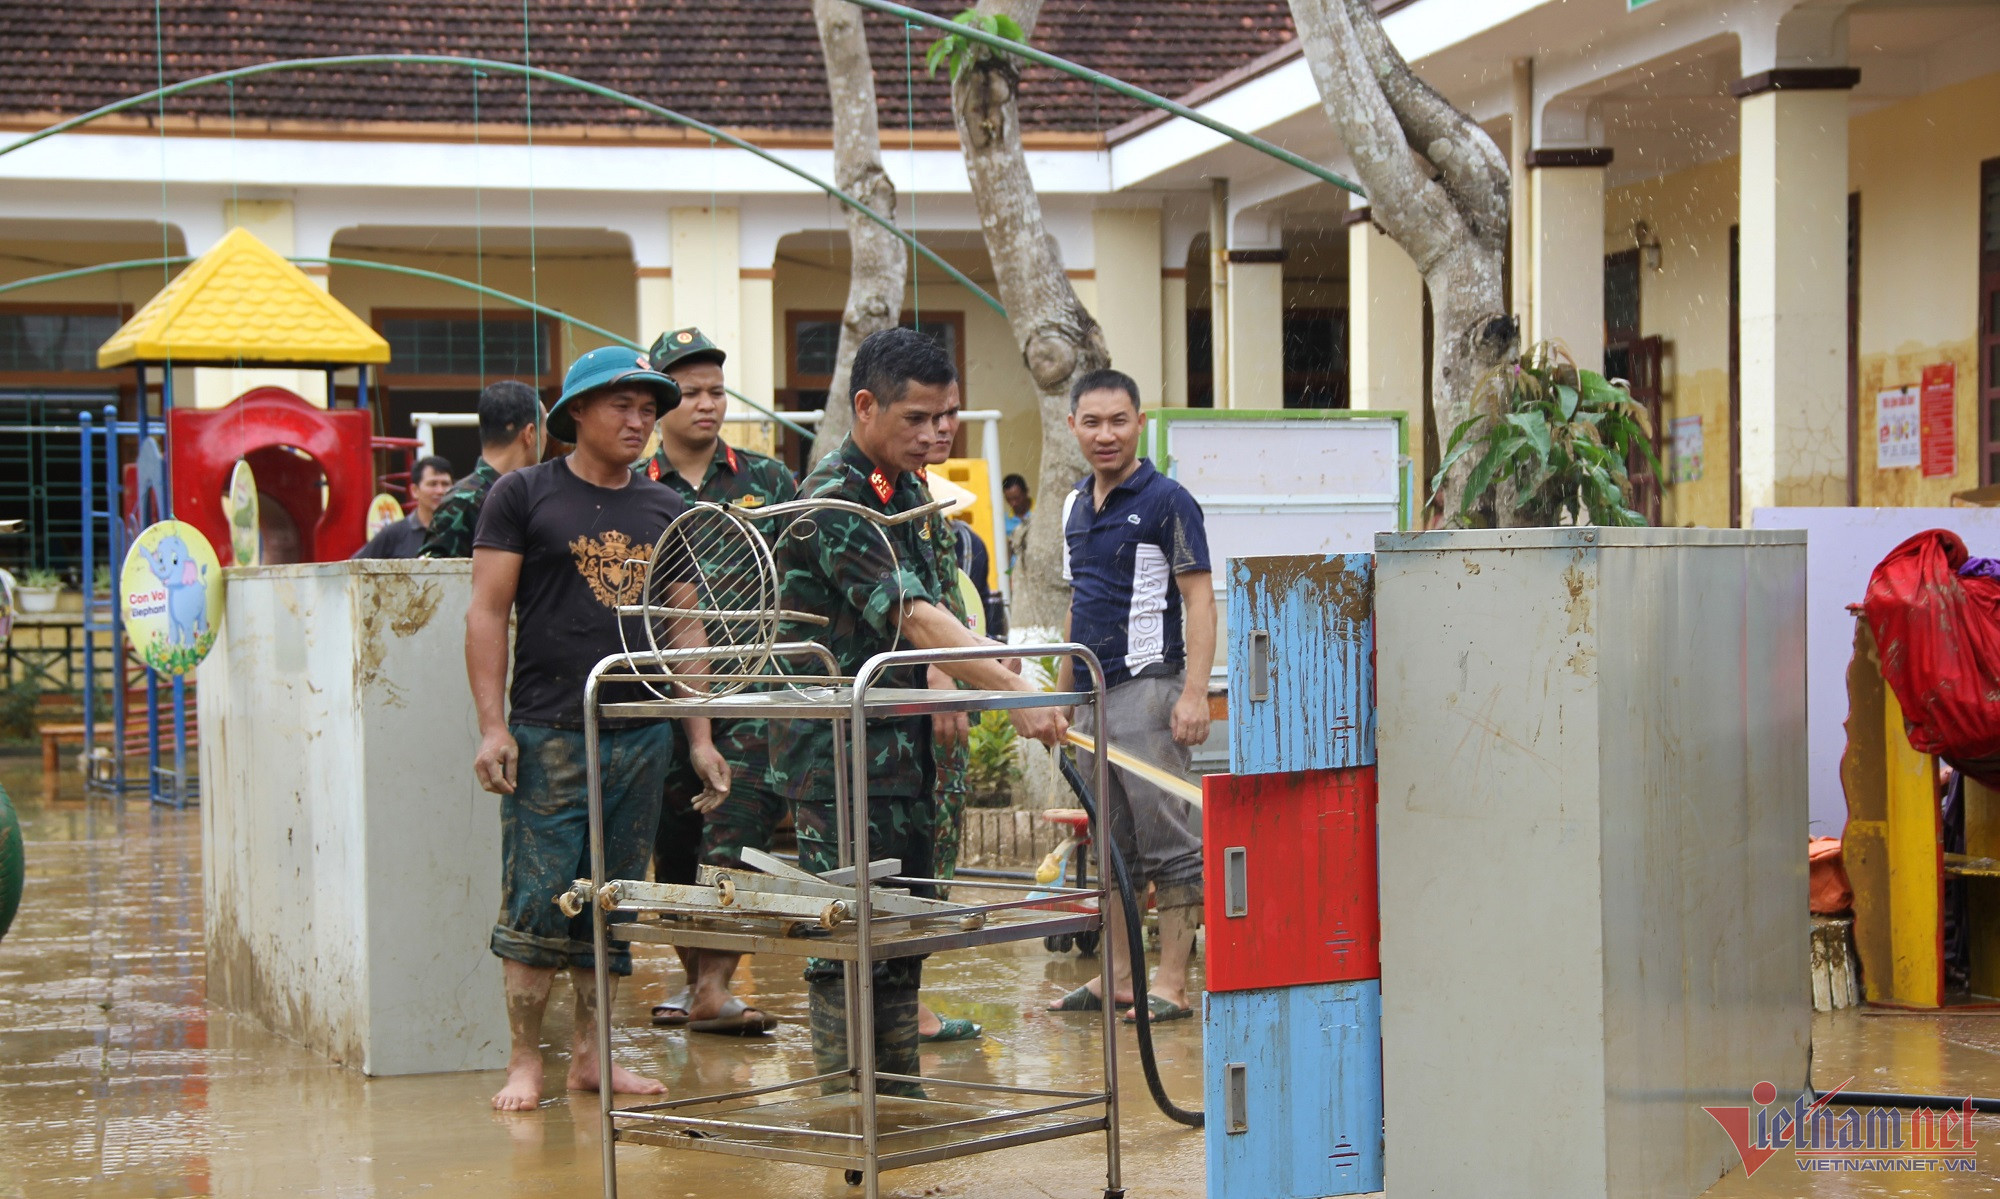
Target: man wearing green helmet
<point x="694" y="460"/>
<point x="559" y="546"/>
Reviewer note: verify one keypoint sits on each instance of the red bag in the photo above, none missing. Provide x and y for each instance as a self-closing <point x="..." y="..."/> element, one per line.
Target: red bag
<point x="1938" y="635"/>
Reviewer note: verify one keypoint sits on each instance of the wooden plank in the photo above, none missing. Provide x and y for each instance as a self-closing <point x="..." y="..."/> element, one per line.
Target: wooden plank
<point x="1173" y="784"/>
<point x="1301" y="662"/>
<point x="1916" y="866"/>
<point x="1293" y="1090"/>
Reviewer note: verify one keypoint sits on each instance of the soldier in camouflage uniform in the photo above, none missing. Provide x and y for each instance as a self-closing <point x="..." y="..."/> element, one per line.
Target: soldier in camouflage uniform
<point x="510" y="437"/>
<point x="715" y="833"/>
<point x="905" y="389"/>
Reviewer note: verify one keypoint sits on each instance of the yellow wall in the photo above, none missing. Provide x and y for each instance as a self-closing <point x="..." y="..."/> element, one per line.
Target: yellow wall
<point x="26" y="257"/>
<point x="815" y="280"/>
<point x="1686" y="303"/>
<point x="591" y="285"/>
<point x="1916" y="165"/>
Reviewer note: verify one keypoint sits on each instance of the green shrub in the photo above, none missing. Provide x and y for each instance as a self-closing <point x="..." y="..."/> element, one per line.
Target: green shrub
<point x="991" y="771"/>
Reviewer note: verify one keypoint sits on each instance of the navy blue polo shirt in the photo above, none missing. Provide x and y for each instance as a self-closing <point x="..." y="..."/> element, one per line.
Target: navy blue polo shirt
<point x="1120" y="562"/>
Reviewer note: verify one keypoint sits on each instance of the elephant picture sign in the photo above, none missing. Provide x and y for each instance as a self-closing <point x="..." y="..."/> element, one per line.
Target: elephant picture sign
<point x="171" y="590"/>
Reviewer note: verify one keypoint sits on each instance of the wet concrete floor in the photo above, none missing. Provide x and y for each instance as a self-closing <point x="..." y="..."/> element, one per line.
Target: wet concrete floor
<point x="117" y="1079"/>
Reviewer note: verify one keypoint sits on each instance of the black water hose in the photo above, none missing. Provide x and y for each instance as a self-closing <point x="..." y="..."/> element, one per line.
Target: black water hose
<point x="1897" y="1098"/>
<point x="1135" y="938"/>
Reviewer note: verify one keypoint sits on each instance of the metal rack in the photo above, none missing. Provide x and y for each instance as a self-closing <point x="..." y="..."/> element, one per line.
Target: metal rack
<point x="853" y="916"/>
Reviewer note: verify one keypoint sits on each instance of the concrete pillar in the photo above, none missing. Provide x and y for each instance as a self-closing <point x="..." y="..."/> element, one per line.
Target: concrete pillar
<point x="1173" y="337"/>
<point x="1793" y="372"/>
<point x="1385" y="327"/>
<point x="274" y="224"/>
<point x="654" y="290"/>
<point x="1567" y="263"/>
<point x="706" y="285"/>
<point x="751" y="361"/>
<point x="1256" y="314"/>
<point x="1127" y="262"/>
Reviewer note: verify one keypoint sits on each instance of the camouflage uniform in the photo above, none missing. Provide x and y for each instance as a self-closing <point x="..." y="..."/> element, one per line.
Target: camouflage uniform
<point x="952" y="762"/>
<point x="457" y="515"/>
<point x="842" y="571"/>
<point x="753" y="809"/>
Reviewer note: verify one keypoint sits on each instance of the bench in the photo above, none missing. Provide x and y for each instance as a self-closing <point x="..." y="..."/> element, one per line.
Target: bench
<point x="53" y="735"/>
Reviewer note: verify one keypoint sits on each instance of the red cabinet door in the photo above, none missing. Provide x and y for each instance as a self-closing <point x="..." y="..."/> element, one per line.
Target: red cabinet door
<point x="1290" y="890"/>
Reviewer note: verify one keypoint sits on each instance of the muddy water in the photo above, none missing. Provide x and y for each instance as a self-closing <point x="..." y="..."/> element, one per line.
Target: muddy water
<point x="116" y="1078"/>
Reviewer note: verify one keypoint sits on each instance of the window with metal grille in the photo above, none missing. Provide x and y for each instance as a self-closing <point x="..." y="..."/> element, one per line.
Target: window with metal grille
<point x="53" y="341"/>
<point x="492" y="346"/>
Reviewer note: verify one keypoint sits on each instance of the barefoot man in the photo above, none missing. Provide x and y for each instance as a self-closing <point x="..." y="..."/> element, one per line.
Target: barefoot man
<point x="553" y="545"/>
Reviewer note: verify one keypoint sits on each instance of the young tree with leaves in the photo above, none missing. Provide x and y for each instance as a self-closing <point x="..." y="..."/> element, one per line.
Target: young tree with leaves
<point x="1438" y="186"/>
<point x="1060" y="341"/>
<point x="877" y="259"/>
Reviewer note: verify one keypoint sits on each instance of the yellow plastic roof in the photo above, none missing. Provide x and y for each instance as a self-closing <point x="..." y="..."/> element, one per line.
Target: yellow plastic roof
<point x="242" y="301"/>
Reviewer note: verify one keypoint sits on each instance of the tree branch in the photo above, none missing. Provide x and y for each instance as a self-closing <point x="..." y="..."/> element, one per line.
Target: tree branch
<point x="877" y="262"/>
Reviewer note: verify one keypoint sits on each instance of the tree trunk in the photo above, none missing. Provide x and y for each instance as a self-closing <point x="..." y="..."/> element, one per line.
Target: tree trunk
<point x="1438" y="186"/>
<point x="877" y="258"/>
<point x="1059" y="339"/>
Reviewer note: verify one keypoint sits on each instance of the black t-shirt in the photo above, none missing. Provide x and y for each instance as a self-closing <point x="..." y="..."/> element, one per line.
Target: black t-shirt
<point x="583" y="552"/>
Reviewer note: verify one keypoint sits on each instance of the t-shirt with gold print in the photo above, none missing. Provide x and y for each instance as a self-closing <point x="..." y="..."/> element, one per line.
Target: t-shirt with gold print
<point x="584" y="550"/>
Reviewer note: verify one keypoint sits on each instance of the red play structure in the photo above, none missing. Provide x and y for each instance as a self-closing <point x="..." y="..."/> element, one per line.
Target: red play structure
<point x="290" y="445"/>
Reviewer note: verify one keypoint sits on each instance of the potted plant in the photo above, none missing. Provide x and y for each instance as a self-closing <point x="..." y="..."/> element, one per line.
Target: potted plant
<point x="1554" y="444"/>
<point x="37" y="592"/>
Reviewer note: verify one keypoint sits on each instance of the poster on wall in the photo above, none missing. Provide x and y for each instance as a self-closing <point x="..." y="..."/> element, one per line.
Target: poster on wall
<point x="1898" y="429"/>
<point x="1687" y="448"/>
<point x="171" y="589"/>
<point x="1940" y="419"/>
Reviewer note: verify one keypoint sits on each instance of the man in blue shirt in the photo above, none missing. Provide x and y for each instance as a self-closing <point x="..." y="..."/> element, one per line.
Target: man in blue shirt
<point x="1136" y="556"/>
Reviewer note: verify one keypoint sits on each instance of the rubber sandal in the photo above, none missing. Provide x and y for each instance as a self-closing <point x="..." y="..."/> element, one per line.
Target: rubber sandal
<point x="738" y="1019"/>
<point x="1080" y="1000"/>
<point x="674" y="1012"/>
<point x="952" y="1028"/>
<point x="1161" y="1011"/>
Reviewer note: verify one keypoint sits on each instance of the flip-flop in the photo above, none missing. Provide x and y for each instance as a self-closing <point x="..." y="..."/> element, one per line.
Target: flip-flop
<point x="738" y="1019"/>
<point x="674" y="1012"/>
<point x="952" y="1028"/>
<point x="1080" y="1000"/>
<point x="1161" y="1011"/>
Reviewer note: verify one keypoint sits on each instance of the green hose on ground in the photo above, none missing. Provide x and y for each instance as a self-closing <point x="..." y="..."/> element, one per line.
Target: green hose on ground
<point x="13" y="864"/>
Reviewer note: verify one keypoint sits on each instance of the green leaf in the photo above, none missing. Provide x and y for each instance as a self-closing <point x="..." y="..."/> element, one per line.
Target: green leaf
<point x="1535" y="427"/>
<point x="1482" y="478"/>
<point x="1568" y="397"/>
<point x="940" y="49"/>
<point x="1008" y="28"/>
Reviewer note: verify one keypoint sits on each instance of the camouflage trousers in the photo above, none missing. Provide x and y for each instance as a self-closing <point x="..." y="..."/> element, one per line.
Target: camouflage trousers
<point x="899" y="826"/>
<point x="687" y="839"/>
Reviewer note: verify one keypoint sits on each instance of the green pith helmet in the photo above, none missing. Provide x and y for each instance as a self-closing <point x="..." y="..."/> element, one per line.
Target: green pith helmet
<point x="601" y="368"/>
<point x="684" y="345"/>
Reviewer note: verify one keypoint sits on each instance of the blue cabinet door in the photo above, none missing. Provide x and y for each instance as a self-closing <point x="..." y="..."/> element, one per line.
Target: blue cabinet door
<point x="1293" y="1090"/>
<point x="1301" y="663"/>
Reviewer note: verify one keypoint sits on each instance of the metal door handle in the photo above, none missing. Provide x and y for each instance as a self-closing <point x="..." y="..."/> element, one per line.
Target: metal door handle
<point x="1236" y="1098"/>
<point x="1260" y="664"/>
<point x="1236" y="881"/>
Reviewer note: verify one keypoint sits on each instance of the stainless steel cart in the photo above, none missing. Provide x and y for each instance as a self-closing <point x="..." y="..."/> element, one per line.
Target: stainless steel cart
<point x="858" y="1130"/>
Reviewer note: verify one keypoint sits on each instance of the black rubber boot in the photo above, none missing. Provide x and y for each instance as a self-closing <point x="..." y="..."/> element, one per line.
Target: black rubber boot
<point x="896" y="1043"/>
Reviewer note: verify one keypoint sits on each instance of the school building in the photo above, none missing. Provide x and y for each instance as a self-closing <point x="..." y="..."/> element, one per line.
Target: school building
<point x="1780" y="219"/>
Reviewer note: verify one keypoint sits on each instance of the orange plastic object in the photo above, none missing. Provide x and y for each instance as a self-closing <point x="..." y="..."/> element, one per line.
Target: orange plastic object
<point x="1831" y="893"/>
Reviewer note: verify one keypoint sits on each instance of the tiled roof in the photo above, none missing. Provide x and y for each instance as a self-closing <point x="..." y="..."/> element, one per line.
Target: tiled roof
<point x="736" y="63"/>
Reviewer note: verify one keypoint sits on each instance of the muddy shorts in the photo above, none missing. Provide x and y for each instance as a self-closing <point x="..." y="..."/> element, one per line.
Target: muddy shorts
<point x="545" y="836"/>
<point x="1158" y="834"/>
<point x="746" y="820"/>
